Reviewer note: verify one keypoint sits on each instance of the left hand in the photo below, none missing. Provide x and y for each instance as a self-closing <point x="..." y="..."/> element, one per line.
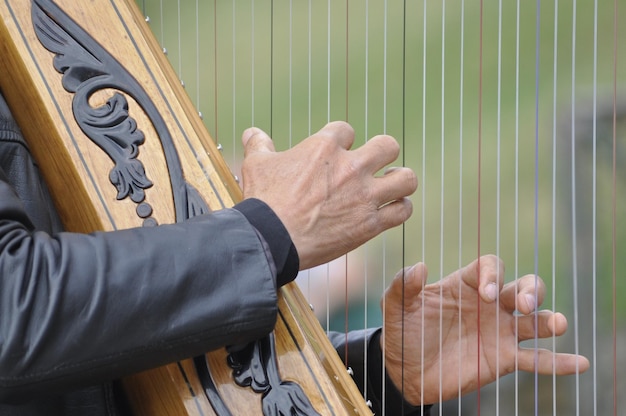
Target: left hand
<point x="329" y="198"/>
<point x="454" y="341"/>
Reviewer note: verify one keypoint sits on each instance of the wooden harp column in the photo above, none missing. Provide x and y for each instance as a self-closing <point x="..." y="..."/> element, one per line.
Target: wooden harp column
<point x="121" y="146"/>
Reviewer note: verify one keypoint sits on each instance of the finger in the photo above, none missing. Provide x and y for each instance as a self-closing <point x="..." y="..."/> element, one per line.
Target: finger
<point x="339" y="131"/>
<point x="485" y="274"/>
<point x="547" y="324"/>
<point x="377" y="153"/>
<point x="524" y="294"/>
<point x="547" y="362"/>
<point x="397" y="183"/>
<point x="394" y="214"/>
<point x="256" y="140"/>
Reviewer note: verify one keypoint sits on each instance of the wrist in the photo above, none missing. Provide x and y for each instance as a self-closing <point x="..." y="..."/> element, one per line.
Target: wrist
<point x="276" y="236"/>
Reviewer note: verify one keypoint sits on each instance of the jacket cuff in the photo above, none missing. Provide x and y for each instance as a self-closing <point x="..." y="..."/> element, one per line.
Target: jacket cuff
<point x="271" y="228"/>
<point x="394" y="403"/>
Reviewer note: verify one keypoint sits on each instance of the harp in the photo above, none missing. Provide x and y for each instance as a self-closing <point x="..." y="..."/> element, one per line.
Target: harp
<point x="76" y="89"/>
<point x="516" y="102"/>
<point x="511" y="114"/>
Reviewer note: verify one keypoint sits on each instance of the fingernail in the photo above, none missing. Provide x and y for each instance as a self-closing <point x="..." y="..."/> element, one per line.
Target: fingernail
<point x="530" y="300"/>
<point x="492" y="291"/>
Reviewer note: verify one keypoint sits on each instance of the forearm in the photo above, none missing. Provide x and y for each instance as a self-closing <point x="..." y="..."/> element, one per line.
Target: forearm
<point x="84" y="308"/>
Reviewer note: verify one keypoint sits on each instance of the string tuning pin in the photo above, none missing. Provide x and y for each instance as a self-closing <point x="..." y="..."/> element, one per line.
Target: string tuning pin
<point x="312" y="307"/>
<point x="350" y="371"/>
<point x="147" y="19"/>
<point x="220" y="147"/>
<point x="164" y="50"/>
<point x="200" y="115"/>
<point x="236" y="178"/>
<point x="369" y="403"/>
<point x="182" y="83"/>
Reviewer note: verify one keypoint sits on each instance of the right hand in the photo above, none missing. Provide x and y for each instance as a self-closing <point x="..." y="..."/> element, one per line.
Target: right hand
<point x="460" y="337"/>
<point x="327" y="195"/>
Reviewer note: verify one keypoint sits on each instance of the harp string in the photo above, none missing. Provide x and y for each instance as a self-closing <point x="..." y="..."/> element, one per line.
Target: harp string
<point x="504" y="78"/>
<point x="594" y="201"/>
<point x="403" y="145"/>
<point x="424" y="180"/>
<point x="366" y="135"/>
<point x="554" y="177"/>
<point x="479" y="189"/>
<point x="347" y="104"/>
<point x="442" y="193"/>
<point x="574" y="224"/>
<point x="234" y="81"/>
<point x="215" y="72"/>
<point x="517" y="187"/>
<point x="498" y="168"/>
<point x="614" y="208"/>
<point x="384" y="131"/>
<point x="460" y="180"/>
<point x="536" y="207"/>
<point x="197" y="22"/>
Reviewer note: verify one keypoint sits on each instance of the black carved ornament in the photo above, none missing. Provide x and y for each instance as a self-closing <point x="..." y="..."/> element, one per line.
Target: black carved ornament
<point x="88" y="68"/>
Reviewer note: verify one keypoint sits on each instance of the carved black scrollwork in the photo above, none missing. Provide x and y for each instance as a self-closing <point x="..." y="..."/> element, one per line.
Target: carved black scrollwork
<point x="255" y="366"/>
<point x="88" y="68"/>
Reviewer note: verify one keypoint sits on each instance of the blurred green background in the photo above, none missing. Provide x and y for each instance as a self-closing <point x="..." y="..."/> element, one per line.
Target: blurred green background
<point x="542" y="108"/>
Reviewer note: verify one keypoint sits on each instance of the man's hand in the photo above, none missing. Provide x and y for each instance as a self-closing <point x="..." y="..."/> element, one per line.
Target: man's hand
<point x="326" y="195"/>
<point x="447" y="348"/>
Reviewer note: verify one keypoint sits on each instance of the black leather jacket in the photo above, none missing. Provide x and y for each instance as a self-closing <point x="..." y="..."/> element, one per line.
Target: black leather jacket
<point x="78" y="311"/>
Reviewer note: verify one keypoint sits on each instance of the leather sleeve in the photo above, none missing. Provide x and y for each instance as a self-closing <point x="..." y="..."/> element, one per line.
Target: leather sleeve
<point x="364" y="357"/>
<point x="78" y="309"/>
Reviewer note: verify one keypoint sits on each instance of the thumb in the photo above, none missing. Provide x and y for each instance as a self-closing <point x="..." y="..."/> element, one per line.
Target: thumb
<point x="256" y="140"/>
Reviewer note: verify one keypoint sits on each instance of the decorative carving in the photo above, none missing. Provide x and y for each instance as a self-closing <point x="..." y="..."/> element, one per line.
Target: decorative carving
<point x="88" y="68"/>
<point x="255" y="366"/>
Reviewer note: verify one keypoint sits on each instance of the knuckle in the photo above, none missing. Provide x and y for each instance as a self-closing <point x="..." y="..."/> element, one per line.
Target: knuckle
<point x="367" y="222"/>
<point x="354" y="167"/>
<point x="375" y="225"/>
<point x="342" y="127"/>
<point x="335" y="130"/>
<point x="365" y="197"/>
